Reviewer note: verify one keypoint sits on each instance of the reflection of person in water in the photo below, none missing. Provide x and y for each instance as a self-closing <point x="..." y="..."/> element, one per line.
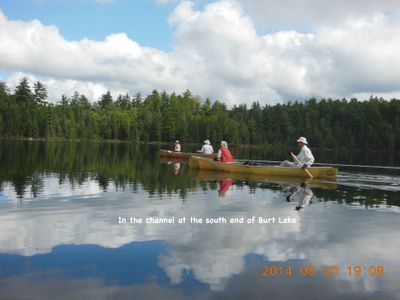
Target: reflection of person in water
<point x="224" y="185"/>
<point x="304" y="193"/>
<point x="177" y="166"/>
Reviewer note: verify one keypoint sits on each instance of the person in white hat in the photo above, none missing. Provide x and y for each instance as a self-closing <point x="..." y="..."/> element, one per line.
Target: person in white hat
<point x="177" y="147"/>
<point x="207" y="148"/>
<point x="305" y="156"/>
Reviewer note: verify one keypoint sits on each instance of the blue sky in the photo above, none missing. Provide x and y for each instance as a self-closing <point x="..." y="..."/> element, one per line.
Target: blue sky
<point x="232" y="50"/>
<point x="144" y="21"/>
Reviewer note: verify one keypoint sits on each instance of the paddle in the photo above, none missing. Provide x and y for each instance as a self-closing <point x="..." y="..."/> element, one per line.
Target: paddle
<point x="295" y="158"/>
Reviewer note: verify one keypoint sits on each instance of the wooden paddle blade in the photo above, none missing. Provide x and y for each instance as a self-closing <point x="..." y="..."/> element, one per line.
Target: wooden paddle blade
<point x="308" y="172"/>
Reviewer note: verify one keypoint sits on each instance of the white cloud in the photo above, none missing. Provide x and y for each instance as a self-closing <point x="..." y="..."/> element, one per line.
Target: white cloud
<point x="58" y="87"/>
<point x="218" y="53"/>
<point x="332" y="61"/>
<point x="308" y="14"/>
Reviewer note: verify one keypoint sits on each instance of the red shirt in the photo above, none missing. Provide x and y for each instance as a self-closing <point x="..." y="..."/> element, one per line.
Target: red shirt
<point x="226" y="155"/>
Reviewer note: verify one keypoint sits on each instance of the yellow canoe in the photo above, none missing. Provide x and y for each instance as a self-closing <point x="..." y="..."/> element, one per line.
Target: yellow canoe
<point x="169" y="153"/>
<point x="328" y="173"/>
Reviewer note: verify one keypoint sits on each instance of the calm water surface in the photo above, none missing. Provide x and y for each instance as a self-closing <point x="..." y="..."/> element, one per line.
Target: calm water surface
<point x="62" y="236"/>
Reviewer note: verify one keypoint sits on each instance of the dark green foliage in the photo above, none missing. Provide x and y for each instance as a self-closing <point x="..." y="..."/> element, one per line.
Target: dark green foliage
<point x="40" y="93"/>
<point x="328" y="124"/>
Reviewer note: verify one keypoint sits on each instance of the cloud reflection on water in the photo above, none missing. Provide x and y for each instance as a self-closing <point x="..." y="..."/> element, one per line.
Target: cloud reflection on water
<point x="324" y="234"/>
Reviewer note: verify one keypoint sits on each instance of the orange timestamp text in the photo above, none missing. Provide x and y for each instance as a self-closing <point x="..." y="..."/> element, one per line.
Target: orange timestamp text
<point x="308" y="271"/>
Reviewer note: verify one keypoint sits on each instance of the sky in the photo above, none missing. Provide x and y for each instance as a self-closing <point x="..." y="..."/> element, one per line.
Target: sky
<point x="235" y="51"/>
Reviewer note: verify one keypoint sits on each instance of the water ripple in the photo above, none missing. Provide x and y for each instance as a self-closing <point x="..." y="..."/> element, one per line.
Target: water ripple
<point x="369" y="181"/>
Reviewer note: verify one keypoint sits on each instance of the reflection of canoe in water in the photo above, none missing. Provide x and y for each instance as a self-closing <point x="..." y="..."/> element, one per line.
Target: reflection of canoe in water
<point x="215" y="175"/>
<point x="168" y="153"/>
<point x="211" y="165"/>
<point x="168" y="160"/>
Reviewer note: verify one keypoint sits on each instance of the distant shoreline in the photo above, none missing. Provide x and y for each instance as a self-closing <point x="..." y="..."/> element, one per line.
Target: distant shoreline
<point x="241" y="146"/>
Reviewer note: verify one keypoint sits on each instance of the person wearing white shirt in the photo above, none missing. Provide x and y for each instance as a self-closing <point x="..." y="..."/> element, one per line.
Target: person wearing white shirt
<point x="305" y="156"/>
<point x="207" y="148"/>
<point x="177" y="147"/>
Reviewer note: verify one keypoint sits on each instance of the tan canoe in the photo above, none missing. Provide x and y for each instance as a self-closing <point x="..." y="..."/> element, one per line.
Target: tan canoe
<point x="211" y="165"/>
<point x="168" y="153"/>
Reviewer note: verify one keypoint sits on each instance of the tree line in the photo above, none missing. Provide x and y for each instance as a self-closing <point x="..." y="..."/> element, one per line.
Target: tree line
<point x="373" y="124"/>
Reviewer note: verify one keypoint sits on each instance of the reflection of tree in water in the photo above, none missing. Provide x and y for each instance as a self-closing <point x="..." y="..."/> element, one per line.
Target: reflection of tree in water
<point x="103" y="181"/>
<point x="37" y="184"/>
<point x="127" y="166"/>
<point x="20" y="183"/>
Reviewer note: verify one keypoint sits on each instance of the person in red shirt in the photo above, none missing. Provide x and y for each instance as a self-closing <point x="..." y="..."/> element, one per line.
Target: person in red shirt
<point x="224" y="155"/>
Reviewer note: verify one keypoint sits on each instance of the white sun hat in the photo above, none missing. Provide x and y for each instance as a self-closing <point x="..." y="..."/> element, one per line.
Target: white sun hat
<point x="302" y="140"/>
<point x="207" y="142"/>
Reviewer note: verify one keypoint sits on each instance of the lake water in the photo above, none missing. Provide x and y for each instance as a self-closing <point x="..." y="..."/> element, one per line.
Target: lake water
<point x="70" y="227"/>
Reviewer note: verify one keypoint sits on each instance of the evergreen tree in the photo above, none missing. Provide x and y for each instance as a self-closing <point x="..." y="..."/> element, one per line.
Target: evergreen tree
<point x="346" y="124"/>
<point x="106" y="100"/>
<point x="23" y="93"/>
<point x="39" y="93"/>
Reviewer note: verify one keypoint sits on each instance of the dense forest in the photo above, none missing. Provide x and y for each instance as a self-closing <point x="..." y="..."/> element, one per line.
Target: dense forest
<point x="373" y="124"/>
